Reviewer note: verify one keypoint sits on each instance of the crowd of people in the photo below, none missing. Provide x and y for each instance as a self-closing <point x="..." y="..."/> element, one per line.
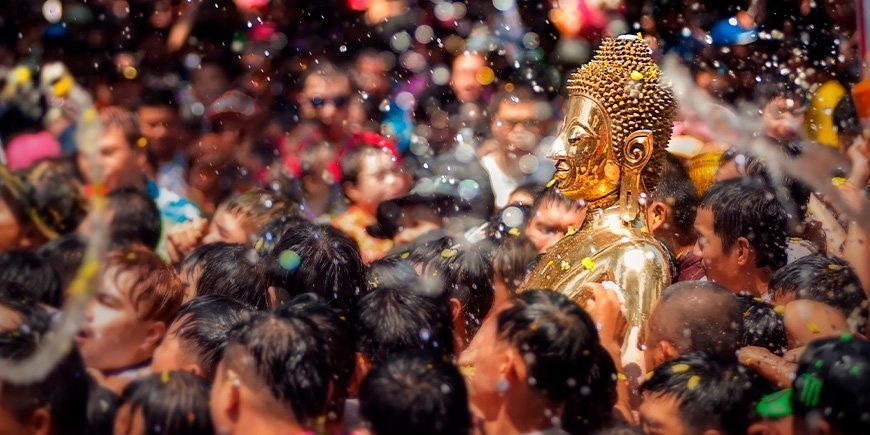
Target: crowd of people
<point x="320" y="217"/>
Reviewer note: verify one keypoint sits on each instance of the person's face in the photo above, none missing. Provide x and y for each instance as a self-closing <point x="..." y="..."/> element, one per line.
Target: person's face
<point x="326" y="100"/>
<point x="11" y="230"/>
<point x="782" y="118"/>
<point x="720" y="266"/>
<point x="227" y="226"/>
<point x="120" y="164"/>
<point x="380" y="179"/>
<point x="517" y="127"/>
<point x="521" y="197"/>
<point x="208" y="83"/>
<point x="415" y="221"/>
<point x="585" y="168"/>
<point x="463" y="77"/>
<point x="550" y="224"/>
<point x="129" y="422"/>
<point x="113" y="336"/>
<point x="660" y="415"/>
<point x="160" y="126"/>
<point x="372" y="73"/>
<point x="169" y="354"/>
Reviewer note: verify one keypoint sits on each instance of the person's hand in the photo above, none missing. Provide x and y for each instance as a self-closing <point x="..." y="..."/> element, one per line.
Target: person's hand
<point x="185" y="237"/>
<point x="772" y="367"/>
<point x="859" y="155"/>
<point x="754" y="356"/>
<point x="604" y="307"/>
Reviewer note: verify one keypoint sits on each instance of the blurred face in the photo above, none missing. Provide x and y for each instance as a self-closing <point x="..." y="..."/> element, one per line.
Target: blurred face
<point x="517" y="127"/>
<point x="463" y="77"/>
<point x="160" y="125"/>
<point x="11" y="230"/>
<point x="120" y="164"/>
<point x="380" y="179"/>
<point x="550" y="224"/>
<point x="783" y="118"/>
<point x="209" y="83"/>
<point x="487" y="385"/>
<point x="128" y="422"/>
<point x="227" y="226"/>
<point x="415" y="221"/>
<point x="720" y="266"/>
<point x="113" y="336"/>
<point x="326" y="100"/>
<point x="372" y="73"/>
<point x="660" y="415"/>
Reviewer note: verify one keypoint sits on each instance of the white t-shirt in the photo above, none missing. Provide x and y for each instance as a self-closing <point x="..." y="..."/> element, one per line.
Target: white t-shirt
<point x="502" y="184"/>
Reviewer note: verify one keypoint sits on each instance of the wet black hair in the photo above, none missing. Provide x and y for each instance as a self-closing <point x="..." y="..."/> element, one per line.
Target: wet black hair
<point x="753" y="166"/>
<point x="415" y="393"/>
<point x="567" y="364"/>
<point x="826" y="279"/>
<point x="287" y="357"/>
<point x="63" y="391"/>
<point x="711" y="394"/>
<point x="399" y="314"/>
<point x="676" y="189"/>
<point x="135" y="218"/>
<point x="203" y="325"/>
<point x="552" y="194"/>
<point x="170" y="402"/>
<point x="64" y="254"/>
<point x="762" y="325"/>
<point x="228" y="269"/>
<point x="831" y="384"/>
<point x="339" y="339"/>
<point x="318" y="259"/>
<point x="34" y="274"/>
<point x="745" y="207"/>
<point x="102" y="407"/>
<point x="513" y="260"/>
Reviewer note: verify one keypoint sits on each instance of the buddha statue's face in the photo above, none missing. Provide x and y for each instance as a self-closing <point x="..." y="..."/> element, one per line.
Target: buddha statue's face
<point x="583" y="151"/>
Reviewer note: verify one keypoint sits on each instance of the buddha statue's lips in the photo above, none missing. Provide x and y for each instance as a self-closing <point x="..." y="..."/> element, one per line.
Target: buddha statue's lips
<point x="562" y="166"/>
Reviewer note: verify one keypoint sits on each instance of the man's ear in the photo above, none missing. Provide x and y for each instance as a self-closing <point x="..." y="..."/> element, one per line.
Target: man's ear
<point x="455" y="308"/>
<point x="153" y="335"/>
<point x="665" y="351"/>
<point x="39" y="422"/>
<point x="141" y="158"/>
<point x="361" y="369"/>
<point x="659" y="213"/>
<point x="745" y="253"/>
<point x="514" y="368"/>
<point x="234" y="395"/>
<point x="195" y="370"/>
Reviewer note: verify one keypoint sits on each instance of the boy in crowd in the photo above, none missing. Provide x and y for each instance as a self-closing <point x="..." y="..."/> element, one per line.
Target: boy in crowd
<point x="34" y="274"/>
<point x="132" y="217"/>
<point x="167" y="402"/>
<point x="160" y="123"/>
<point x="553" y="215"/>
<point x="226" y="269"/>
<point x="128" y="317"/>
<point x="742" y="231"/>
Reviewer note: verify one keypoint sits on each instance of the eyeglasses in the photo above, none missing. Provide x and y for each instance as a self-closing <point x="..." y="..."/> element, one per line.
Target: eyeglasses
<point x="340" y="101"/>
<point x="527" y="123"/>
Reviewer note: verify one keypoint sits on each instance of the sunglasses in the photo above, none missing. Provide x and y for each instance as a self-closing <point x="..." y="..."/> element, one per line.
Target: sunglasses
<point x="340" y="101"/>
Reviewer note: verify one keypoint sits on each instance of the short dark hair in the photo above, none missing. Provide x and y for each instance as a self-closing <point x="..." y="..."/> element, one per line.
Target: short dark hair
<point x="228" y="269"/>
<point x="351" y="162"/>
<point x="170" y="402"/>
<point x="156" y="291"/>
<point x="710" y="393"/>
<point x="124" y="120"/>
<point x="552" y="194"/>
<point x="258" y="207"/>
<point x="64" y="391"/>
<point x="415" y="393"/>
<point x="102" y="406"/>
<point x="157" y="97"/>
<point x="754" y="166"/>
<point x="135" y="218"/>
<point x="318" y="259"/>
<point x="203" y="326"/>
<point x="397" y="314"/>
<point x="744" y="207"/>
<point x="64" y="254"/>
<point x="826" y="279"/>
<point x="832" y="381"/>
<point x="513" y="260"/>
<point x="515" y="94"/>
<point x="676" y="189"/>
<point x="762" y="325"/>
<point x="286" y="357"/>
<point x="34" y="274"/>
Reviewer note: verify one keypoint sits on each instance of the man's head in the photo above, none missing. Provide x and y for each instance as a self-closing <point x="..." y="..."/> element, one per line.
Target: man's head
<point x="120" y="156"/>
<point x="518" y="120"/>
<point x="326" y="97"/>
<point x="782" y="110"/>
<point x="742" y="231"/>
<point x="227" y="269"/>
<point x="693" y="316"/>
<point x="159" y="122"/>
<point x="174" y="402"/>
<point x="371" y="175"/>
<point x="553" y="215"/>
<point x="127" y="318"/>
<point x="32" y="273"/>
<point x="241" y="218"/>
<point x="274" y="368"/>
<point x="464" y="76"/>
<point x="762" y="325"/>
<point x="134" y="219"/>
<point x="824" y="279"/>
<point x="698" y="394"/>
<point x="415" y="393"/>
<point x="673" y="204"/>
<point x="197" y="336"/>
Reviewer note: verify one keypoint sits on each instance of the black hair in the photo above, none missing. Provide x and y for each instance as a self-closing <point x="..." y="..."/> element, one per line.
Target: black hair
<point x="517" y="215"/>
<point x="552" y="194"/>
<point x="102" y="407"/>
<point x="170" y="402"/>
<point x="676" y="189"/>
<point x="567" y="363"/>
<point x="63" y="391"/>
<point x="744" y="207"/>
<point x="517" y="94"/>
<point x="274" y="230"/>
<point x="831" y="383"/>
<point x="425" y="252"/>
<point x="157" y="97"/>
<point x="34" y="274"/>
<point x="351" y="163"/>
<point x="318" y="259"/>
<point x="228" y="269"/>
<point x="399" y="314"/>
<point x="753" y="166"/>
<point x="711" y="394"/>
<point x="135" y="218"/>
<point x="762" y="325"/>
<point x="286" y="356"/>
<point x="337" y="332"/>
<point x="415" y="393"/>
<point x="846" y="119"/>
<point x="825" y="279"/>
<point x="772" y="88"/>
<point x="64" y="254"/>
<point x="467" y="275"/>
<point x="203" y="326"/>
<point x="513" y="259"/>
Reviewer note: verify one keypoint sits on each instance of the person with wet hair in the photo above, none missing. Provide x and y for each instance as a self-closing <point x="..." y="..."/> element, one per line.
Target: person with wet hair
<point x="227" y="269"/>
<point x="64" y="254"/>
<point x="132" y="217"/>
<point x="552" y="216"/>
<point x="762" y="325"/>
<point x="34" y="274"/>
<point x="167" y="402"/>
<point x="415" y="393"/>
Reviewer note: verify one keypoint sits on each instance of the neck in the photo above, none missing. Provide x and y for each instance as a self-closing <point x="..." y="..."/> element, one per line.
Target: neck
<point x="521" y="414"/>
<point x="251" y="421"/>
<point x="754" y="281"/>
<point x="316" y="204"/>
<point x="674" y="244"/>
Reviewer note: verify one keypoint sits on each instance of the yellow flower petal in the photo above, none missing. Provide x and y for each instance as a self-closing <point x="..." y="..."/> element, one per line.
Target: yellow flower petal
<point x="448" y="253"/>
<point x="565" y="265"/>
<point x="164" y="377"/>
<point x="570" y="231"/>
<point x="813" y="327"/>
<point x="680" y="368"/>
<point x="779" y="309"/>
<point x="514" y="231"/>
<point x="636" y="75"/>
<point x="693" y="382"/>
<point x="588" y="263"/>
<point x="405" y="255"/>
<point x="838" y="181"/>
<point x="551" y="183"/>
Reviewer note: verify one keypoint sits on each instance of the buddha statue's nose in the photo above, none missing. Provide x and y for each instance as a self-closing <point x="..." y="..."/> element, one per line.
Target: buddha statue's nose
<point x="558" y="149"/>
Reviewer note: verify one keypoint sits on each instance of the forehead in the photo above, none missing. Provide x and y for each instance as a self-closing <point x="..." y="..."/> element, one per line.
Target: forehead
<point x="704" y="219"/>
<point x="520" y="108"/>
<point x="156" y="111"/>
<point x="374" y="159"/>
<point x="466" y="61"/>
<point x="111" y="137"/>
<point x="326" y="85"/>
<point x="659" y="410"/>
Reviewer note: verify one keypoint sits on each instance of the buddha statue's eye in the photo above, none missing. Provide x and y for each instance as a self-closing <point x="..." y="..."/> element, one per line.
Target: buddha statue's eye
<point x="577" y="134"/>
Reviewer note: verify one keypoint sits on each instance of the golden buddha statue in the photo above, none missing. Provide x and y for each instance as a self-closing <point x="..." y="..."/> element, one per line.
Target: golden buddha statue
<point x="618" y="121"/>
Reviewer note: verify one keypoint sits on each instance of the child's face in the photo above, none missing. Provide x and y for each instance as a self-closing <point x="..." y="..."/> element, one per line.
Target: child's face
<point x="169" y="355"/>
<point x="227" y="226"/>
<point x="380" y="179"/>
<point x="660" y="415"/>
<point x="113" y="336"/>
<point x="551" y="222"/>
<point x="782" y="118"/>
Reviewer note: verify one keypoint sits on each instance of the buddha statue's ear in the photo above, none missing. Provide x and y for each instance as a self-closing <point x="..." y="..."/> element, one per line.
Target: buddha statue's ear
<point x="636" y="152"/>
